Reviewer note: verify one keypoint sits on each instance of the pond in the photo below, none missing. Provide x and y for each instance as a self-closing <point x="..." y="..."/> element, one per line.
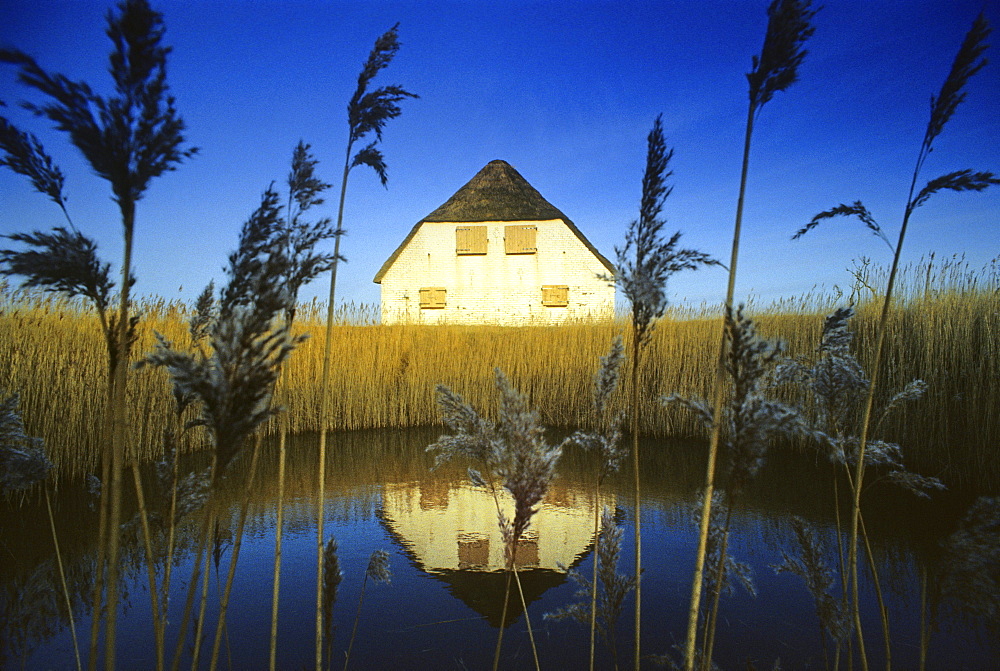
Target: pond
<point x="443" y="607"/>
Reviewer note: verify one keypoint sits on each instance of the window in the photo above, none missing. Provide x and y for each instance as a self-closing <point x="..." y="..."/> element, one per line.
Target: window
<point x="520" y="239"/>
<point x="526" y="552"/>
<point x="432" y="297"/>
<point x="470" y="240"/>
<point x="473" y="551"/>
<point x="555" y="295"/>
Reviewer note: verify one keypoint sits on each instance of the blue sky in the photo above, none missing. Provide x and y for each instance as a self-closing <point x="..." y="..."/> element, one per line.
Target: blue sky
<point x="564" y="91"/>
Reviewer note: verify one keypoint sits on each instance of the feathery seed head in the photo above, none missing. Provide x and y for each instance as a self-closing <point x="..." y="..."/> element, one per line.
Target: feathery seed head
<point x="513" y="450"/>
<point x="818" y="577"/>
<point x="378" y="567"/>
<point x="968" y="61"/>
<point x="61" y="261"/>
<point x="646" y="261"/>
<point x="969" y="576"/>
<point x="788" y="28"/>
<point x="23" y="153"/>
<point x="22" y="459"/>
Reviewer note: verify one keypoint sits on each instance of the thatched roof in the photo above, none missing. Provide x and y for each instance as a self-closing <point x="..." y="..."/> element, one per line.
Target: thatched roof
<point x="498" y="192"/>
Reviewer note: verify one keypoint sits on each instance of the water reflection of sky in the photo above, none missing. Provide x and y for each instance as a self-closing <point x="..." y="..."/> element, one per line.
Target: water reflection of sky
<point x="442" y="608"/>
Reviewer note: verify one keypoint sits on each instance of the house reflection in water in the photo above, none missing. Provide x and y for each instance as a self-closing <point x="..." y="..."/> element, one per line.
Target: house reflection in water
<point x="449" y="529"/>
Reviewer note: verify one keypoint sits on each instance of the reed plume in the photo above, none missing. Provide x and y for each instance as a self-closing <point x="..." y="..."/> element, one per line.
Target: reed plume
<point x="512" y="451"/>
<point x="24" y="154"/>
<point x="969" y="577"/>
<point x="836" y="384"/>
<point x="809" y="565"/>
<point x="751" y="421"/>
<point x="644" y="264"/>
<point x="233" y="383"/>
<point x="775" y="69"/>
<point x="129" y="139"/>
<point x="297" y="239"/>
<point x="605" y="440"/>
<point x="602" y="597"/>
<point x="967" y="63"/>
<point x="23" y="464"/>
<point x="332" y="577"/>
<point x="377" y="571"/>
<point x="368" y="111"/>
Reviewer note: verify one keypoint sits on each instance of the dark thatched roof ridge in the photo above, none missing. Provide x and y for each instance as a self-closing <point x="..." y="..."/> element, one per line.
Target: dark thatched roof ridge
<point x="498" y="192"/>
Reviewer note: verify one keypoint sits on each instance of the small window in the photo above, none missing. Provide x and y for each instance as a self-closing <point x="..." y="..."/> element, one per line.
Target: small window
<point x="555" y="295"/>
<point x="520" y="239"/>
<point x="526" y="552"/>
<point x="432" y="297"/>
<point x="473" y="551"/>
<point x="470" y="240"/>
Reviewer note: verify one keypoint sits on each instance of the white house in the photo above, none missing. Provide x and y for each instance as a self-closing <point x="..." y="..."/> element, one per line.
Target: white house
<point x="496" y="252"/>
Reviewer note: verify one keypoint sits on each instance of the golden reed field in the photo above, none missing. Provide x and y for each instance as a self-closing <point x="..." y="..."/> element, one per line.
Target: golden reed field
<point x="945" y="330"/>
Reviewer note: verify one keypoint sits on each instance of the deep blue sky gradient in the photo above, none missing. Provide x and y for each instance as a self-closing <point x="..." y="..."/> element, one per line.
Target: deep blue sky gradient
<point x="564" y="91"/>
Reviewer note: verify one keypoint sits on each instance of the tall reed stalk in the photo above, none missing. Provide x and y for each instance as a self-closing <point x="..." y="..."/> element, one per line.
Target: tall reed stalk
<point x="129" y="140"/>
<point x="776" y="69"/>
<point x="968" y="62"/>
<point x="367" y="112"/>
<point x="196" y="485"/>
<point x="752" y="422"/>
<point x="643" y="266"/>
<point x="606" y="443"/>
<point x="234" y="556"/>
<point x="66" y="262"/>
<point x="378" y="571"/>
<point x="62" y="580"/>
<point x="250" y="339"/>
<point x="296" y="239"/>
<point x="278" y="529"/>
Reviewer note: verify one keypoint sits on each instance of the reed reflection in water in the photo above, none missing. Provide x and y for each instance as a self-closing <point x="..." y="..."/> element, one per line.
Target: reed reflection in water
<point x="443" y="606"/>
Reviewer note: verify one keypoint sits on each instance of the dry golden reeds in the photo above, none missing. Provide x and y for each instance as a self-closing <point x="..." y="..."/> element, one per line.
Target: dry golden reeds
<point x="945" y="331"/>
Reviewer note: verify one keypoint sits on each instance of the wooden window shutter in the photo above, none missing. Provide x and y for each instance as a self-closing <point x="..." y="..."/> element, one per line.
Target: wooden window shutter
<point x="432" y="297"/>
<point x="520" y="239"/>
<point x="470" y="240"/>
<point x="555" y="295"/>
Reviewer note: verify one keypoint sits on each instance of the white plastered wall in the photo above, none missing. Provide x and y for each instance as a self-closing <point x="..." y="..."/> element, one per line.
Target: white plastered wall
<point x="496" y="287"/>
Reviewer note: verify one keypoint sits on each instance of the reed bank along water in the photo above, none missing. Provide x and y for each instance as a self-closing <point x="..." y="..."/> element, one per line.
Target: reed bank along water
<point x="945" y="330"/>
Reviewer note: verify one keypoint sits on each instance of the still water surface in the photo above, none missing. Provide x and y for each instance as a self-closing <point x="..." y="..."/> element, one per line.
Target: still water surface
<point x="443" y="607"/>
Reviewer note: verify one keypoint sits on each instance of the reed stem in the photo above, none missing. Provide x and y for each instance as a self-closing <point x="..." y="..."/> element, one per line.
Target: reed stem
<point x="158" y="628"/>
<point x="503" y="623"/>
<point x="235" y="555"/>
<point x="593" y="584"/>
<point x="634" y="417"/>
<point x="527" y="620"/>
<point x="718" y="395"/>
<point x="62" y="578"/>
<point x="279" y="525"/>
